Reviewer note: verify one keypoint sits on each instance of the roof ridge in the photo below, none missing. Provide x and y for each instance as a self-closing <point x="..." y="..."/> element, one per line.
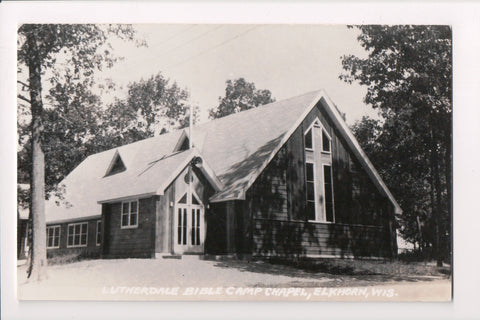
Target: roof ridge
<point x="200" y="125"/>
<point x="260" y="107"/>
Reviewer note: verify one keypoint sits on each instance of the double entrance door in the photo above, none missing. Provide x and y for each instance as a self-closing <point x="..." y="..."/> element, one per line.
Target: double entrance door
<point x="189" y="226"/>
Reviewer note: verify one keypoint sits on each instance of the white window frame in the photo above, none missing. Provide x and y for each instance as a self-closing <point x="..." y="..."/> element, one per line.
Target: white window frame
<point x="313" y="141"/>
<point x="314" y="189"/>
<point x="68" y="235"/>
<point x="317" y="163"/>
<point x="98" y="235"/>
<point x="325" y="195"/>
<point x="59" y="233"/>
<point x="129" y="225"/>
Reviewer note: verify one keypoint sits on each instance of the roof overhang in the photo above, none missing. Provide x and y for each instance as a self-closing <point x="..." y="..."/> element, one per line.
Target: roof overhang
<point x="71" y="220"/>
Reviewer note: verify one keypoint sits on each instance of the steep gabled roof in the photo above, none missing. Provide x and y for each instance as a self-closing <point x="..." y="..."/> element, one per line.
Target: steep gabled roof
<point x="236" y="149"/>
<point x="258" y="134"/>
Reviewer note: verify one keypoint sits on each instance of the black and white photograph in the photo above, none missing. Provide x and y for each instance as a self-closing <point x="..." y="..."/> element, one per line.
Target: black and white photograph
<point x="205" y="161"/>
<point x="271" y="189"/>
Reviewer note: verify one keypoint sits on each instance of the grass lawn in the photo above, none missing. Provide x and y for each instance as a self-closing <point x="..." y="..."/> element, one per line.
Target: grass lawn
<point x="153" y="278"/>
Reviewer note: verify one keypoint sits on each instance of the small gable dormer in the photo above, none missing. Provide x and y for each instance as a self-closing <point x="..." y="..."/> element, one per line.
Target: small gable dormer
<point x="116" y="165"/>
<point x="183" y="143"/>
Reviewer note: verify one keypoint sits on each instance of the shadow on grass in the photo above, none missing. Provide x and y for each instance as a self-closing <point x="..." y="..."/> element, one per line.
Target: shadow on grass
<point x="333" y="273"/>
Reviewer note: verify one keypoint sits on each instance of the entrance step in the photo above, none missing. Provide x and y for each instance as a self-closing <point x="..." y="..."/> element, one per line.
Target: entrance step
<point x="179" y="256"/>
<point x="192" y="257"/>
<point x="168" y="256"/>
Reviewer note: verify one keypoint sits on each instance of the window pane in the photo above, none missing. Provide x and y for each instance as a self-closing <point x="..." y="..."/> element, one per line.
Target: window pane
<point x="308" y="140"/>
<point x="70" y="240"/>
<point x="56" y="241"/>
<point x="124" y="220"/>
<point x="183" y="199"/>
<point x="198" y="226"/>
<point x="133" y="206"/>
<point x="70" y="230"/>
<point x="99" y="232"/>
<point x="325" y="142"/>
<point x="184" y="226"/>
<point x="83" y="239"/>
<point x="310" y="191"/>
<point x="327" y="174"/>
<point x="133" y="219"/>
<point x="57" y="231"/>
<point x="84" y="228"/>
<point x="125" y="207"/>
<point x="77" y="228"/>
<point x="179" y="227"/>
<point x="311" y="210"/>
<point x="76" y="240"/>
<point x="192" y="227"/>
<point x="309" y="167"/>
<point x="194" y="199"/>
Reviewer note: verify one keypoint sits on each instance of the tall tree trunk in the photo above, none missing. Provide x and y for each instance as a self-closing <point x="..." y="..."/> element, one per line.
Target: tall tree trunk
<point x="38" y="262"/>
<point x="448" y="180"/>
<point x="438" y="199"/>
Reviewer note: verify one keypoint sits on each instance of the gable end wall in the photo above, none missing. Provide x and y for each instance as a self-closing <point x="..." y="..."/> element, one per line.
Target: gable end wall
<point x="276" y="204"/>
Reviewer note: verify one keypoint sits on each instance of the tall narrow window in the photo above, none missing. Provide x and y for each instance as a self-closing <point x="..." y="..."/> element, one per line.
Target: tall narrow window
<point x="99" y="233"/>
<point x="325" y="142"/>
<point x="198" y="227"/>
<point x="328" y="187"/>
<point x="310" y="180"/>
<point x="309" y="140"/>
<point x="179" y="226"/>
<point x="184" y="226"/>
<point x="195" y="227"/>
<point x="53" y="237"/>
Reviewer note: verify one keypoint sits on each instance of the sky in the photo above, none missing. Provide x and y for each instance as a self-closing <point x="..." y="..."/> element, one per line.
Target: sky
<point x="288" y="60"/>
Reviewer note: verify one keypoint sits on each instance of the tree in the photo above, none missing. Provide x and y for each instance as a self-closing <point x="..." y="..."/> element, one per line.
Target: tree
<point x="408" y="74"/>
<point x="240" y="95"/>
<point x="83" y="48"/>
<point x="152" y="107"/>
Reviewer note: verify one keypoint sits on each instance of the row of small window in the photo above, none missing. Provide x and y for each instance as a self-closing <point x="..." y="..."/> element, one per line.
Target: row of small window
<point x="77" y="235"/>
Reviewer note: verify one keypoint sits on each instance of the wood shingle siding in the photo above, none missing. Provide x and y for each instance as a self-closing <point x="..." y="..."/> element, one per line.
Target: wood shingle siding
<point x="136" y="242"/>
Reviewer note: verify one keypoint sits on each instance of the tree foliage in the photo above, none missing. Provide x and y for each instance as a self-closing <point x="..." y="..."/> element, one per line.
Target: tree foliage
<point x="79" y="49"/>
<point x="408" y="74"/>
<point x="152" y="107"/>
<point x="240" y="95"/>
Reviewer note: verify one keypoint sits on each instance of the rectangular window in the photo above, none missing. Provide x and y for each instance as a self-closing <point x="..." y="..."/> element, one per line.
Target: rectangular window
<point x="53" y="237"/>
<point x="99" y="233"/>
<point x="182" y="226"/>
<point x="130" y="214"/>
<point x="309" y="140"/>
<point x="328" y="186"/>
<point x="325" y="142"/>
<point x="77" y="234"/>
<point x="310" y="182"/>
